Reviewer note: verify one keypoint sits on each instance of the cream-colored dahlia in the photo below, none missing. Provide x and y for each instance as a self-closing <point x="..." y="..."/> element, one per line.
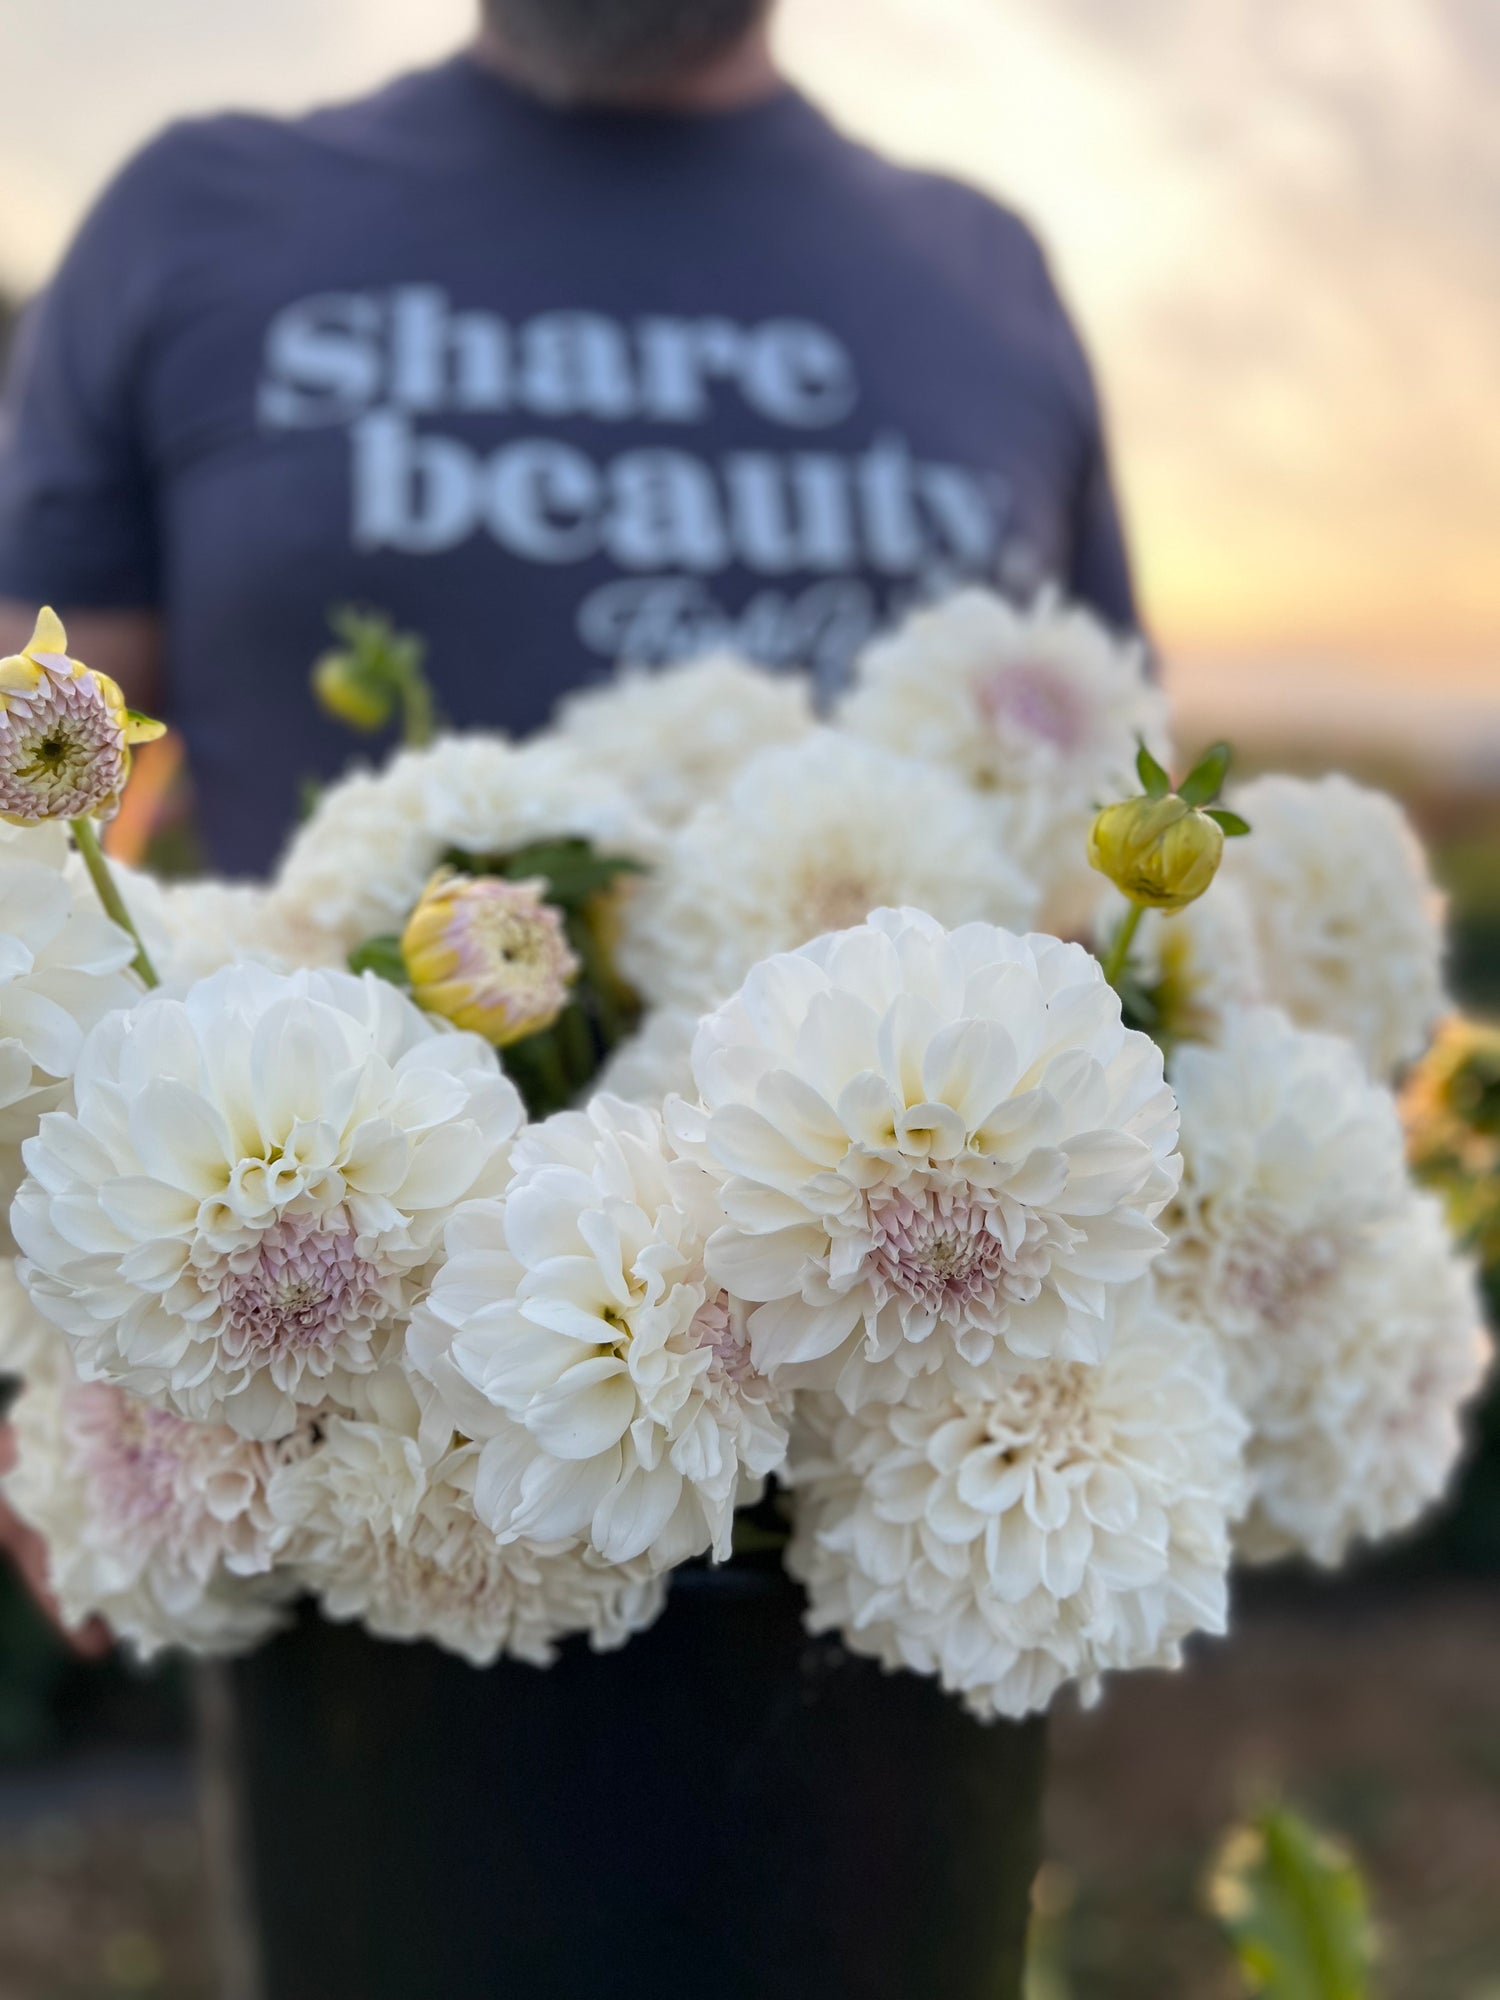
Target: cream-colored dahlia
<point x="195" y="928"/>
<point x="1292" y="1159"/>
<point x="1040" y="711"/>
<point x="1358" y="1419"/>
<point x="1333" y="1289"/>
<point x="1350" y="925"/>
<point x="63" y="967"/>
<point x="656" y="1062"/>
<point x="942" y="1152"/>
<point x="1073" y="1523"/>
<point x="627" y="1407"/>
<point x="357" y="868"/>
<point x="1346" y="1320"/>
<point x="676" y="736"/>
<point x="236" y="1218"/>
<point x="808" y="840"/>
<point x="158" y="1526"/>
<point x="379" y="1522"/>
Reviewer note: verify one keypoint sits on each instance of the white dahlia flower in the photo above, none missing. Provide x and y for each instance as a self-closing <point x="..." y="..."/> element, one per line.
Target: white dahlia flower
<point x="1076" y="1522"/>
<point x="627" y="1407"/>
<point x="237" y="1216"/>
<point x="192" y="929"/>
<point x="378" y="1520"/>
<point x="808" y="840"/>
<point x="1350" y="925"/>
<point x="942" y="1152"/>
<point x="63" y="967"/>
<point x="1358" y="1413"/>
<point x="1347" y="1322"/>
<point x="158" y="1526"/>
<point x="1040" y="711"/>
<point x="676" y="736"/>
<point x="1292" y="1159"/>
<point x="656" y="1062"/>
<point x="358" y="867"/>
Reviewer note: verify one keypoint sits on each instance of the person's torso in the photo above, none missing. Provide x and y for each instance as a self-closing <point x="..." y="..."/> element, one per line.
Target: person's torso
<point x="556" y="392"/>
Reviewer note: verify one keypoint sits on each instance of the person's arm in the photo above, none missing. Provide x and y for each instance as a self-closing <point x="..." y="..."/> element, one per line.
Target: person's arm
<point x="126" y="645"/>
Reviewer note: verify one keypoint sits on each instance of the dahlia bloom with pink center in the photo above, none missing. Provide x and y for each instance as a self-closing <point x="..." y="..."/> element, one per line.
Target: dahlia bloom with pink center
<point x="239" y="1214"/>
<point x="158" y="1526"/>
<point x="1039" y="711"/>
<point x="939" y="1152"/>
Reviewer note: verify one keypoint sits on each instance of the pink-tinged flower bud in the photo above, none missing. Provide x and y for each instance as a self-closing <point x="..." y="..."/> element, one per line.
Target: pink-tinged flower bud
<point x="65" y="733"/>
<point x="489" y="955"/>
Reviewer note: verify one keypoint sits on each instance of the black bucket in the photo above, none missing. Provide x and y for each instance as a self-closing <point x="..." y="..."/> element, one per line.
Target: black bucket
<point x="726" y="1810"/>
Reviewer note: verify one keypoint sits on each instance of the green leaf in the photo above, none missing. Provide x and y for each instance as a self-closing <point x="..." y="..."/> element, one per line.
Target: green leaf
<point x="1156" y="781"/>
<point x="573" y="871"/>
<point x="382" y="955"/>
<point x="1205" y="781"/>
<point x="1234" y="827"/>
<point x="1295" y="1908"/>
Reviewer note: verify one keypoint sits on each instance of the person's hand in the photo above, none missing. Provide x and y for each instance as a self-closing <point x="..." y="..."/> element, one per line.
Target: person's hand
<point x="26" y="1552"/>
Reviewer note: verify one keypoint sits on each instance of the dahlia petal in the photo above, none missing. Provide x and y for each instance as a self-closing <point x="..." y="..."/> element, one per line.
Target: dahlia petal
<point x="761" y="1268"/>
<point x="180" y="1138"/>
<point x="48" y="1032"/>
<point x="585" y="1411"/>
<point x="744" y="1142"/>
<point x="970" y="1065"/>
<point x="634" y="1514"/>
<point x="444" y="1166"/>
<point x="784" y="1332"/>
<point x="145" y="1208"/>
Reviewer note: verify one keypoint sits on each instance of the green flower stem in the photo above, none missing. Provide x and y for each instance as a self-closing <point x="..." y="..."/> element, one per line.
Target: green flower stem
<point x="1119" y="951"/>
<point x="86" y="834"/>
<point x="418" y="721"/>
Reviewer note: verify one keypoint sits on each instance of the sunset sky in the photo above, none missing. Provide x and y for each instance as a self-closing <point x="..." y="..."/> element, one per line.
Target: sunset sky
<point x="1280" y="220"/>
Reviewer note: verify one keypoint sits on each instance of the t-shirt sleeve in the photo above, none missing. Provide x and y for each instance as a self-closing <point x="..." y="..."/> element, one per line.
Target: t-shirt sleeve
<point x="77" y="518"/>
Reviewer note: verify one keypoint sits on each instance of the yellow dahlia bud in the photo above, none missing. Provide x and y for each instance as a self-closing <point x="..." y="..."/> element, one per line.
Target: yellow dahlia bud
<point x="489" y="955"/>
<point x="65" y="733"/>
<point x="350" y="695"/>
<point x="1162" y="853"/>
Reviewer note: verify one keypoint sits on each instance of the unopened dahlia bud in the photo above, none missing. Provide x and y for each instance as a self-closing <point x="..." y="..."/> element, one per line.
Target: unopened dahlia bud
<point x="489" y="955"/>
<point x="375" y="674"/>
<point x="65" y="733"/>
<point x="1161" y="853"/>
<point x="351" y="696"/>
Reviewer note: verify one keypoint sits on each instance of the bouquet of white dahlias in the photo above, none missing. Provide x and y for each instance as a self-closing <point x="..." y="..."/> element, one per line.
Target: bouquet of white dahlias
<point x="885" y="1127"/>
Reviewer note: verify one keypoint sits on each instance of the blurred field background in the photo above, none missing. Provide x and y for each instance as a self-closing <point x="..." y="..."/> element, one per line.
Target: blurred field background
<point x="1280" y="221"/>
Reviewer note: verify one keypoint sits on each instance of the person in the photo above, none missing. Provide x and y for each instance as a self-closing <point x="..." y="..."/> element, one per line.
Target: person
<point x="597" y="341"/>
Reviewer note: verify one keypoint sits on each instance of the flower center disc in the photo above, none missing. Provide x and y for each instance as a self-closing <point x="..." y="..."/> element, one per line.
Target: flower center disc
<point x="300" y="1287"/>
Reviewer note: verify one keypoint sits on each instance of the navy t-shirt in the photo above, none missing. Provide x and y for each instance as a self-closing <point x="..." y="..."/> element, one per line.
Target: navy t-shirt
<point x="552" y="388"/>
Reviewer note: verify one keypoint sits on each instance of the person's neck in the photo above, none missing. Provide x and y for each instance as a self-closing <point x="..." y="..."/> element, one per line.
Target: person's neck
<point x="744" y="75"/>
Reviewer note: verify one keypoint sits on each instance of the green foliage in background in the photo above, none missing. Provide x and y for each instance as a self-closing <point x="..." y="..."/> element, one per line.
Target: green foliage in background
<point x="1291" y="1901"/>
<point x="1294" y="1906"/>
